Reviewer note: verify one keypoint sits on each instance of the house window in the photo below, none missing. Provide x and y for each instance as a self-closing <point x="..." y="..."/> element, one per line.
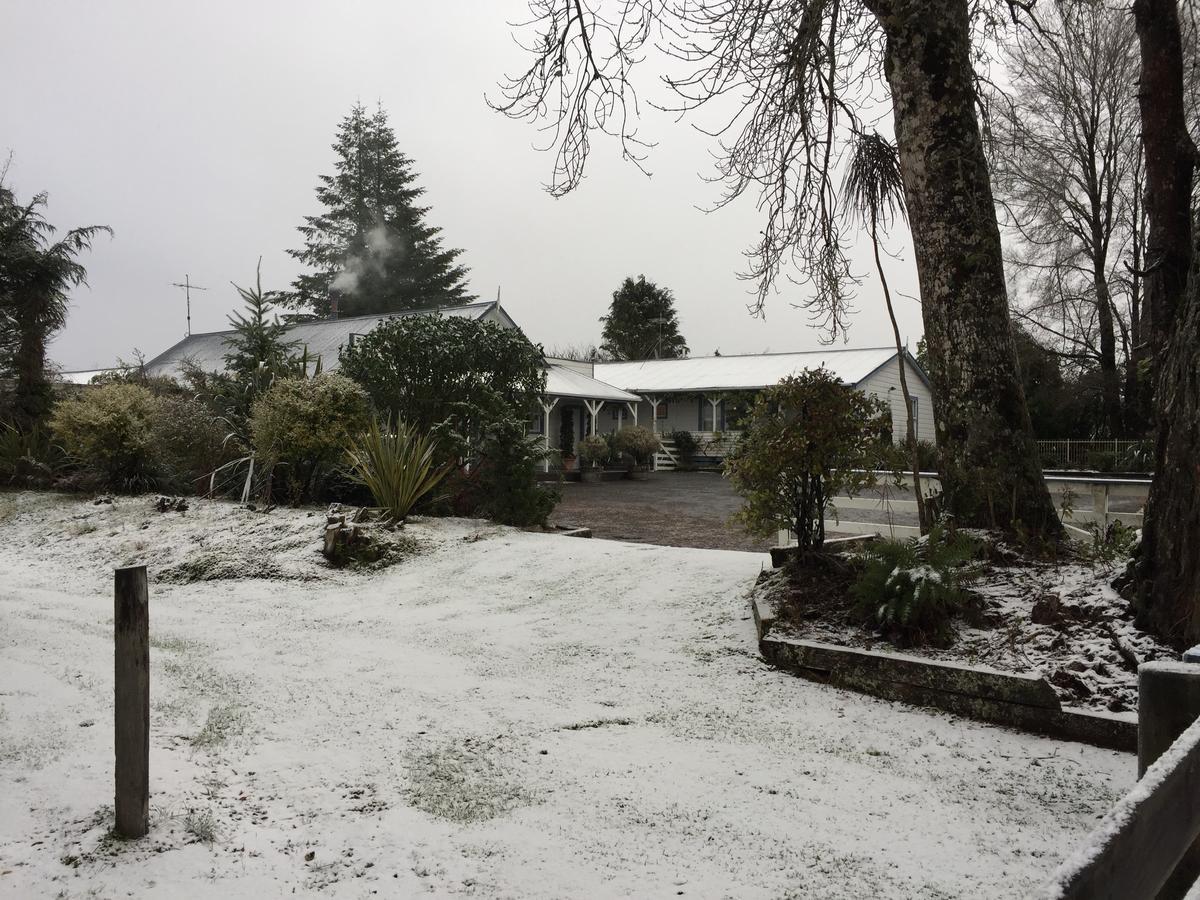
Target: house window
<point x="616" y="413"/>
<point x="706" y="415"/>
<point x="916" y="409"/>
<point x="534" y="425"/>
<point x="660" y="410"/>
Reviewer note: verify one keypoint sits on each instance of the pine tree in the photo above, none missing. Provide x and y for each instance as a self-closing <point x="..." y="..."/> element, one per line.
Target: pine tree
<point x="372" y="248"/>
<point x="642" y="323"/>
<point x="257" y="348"/>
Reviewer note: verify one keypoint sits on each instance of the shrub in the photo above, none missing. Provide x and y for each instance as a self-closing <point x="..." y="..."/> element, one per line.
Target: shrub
<point x="448" y="376"/>
<point x="593" y="449"/>
<point x="912" y="590"/>
<point x="503" y="484"/>
<point x="808" y="439"/>
<point x="1138" y="458"/>
<point x="398" y="466"/>
<point x="927" y="456"/>
<point x="305" y="426"/>
<point x="685" y="443"/>
<point x="1102" y="461"/>
<point x="190" y="440"/>
<point x="638" y="442"/>
<point x="29" y="458"/>
<point x="109" y="431"/>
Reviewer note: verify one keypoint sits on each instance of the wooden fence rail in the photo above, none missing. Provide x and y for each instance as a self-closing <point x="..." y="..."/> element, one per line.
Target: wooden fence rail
<point x="1145" y="848"/>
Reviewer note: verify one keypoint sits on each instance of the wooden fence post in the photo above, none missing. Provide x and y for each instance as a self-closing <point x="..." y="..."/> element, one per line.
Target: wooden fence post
<point x="1169" y="702"/>
<point x="131" y="626"/>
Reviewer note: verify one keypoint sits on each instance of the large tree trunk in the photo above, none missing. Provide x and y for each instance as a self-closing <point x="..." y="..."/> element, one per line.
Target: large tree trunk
<point x="1166" y="582"/>
<point x="1167" y="589"/>
<point x="1170" y="164"/>
<point x="989" y="466"/>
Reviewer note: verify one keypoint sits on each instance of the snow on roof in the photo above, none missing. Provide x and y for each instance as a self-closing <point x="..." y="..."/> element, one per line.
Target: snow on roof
<point x="562" y="381"/>
<point x="324" y="338"/>
<point x="748" y="372"/>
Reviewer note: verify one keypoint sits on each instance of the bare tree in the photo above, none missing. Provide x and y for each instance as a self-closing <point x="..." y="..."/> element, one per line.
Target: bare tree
<point x="801" y="76"/>
<point x="1064" y="159"/>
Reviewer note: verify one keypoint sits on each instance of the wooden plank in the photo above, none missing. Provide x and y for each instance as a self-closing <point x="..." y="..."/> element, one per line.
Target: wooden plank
<point x="131" y="684"/>
<point x="1134" y="850"/>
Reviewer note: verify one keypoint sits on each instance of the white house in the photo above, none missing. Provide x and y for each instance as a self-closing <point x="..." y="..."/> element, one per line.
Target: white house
<point x="696" y="394"/>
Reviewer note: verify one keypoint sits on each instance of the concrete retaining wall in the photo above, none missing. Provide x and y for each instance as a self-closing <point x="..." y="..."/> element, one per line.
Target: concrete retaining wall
<point x="1023" y="701"/>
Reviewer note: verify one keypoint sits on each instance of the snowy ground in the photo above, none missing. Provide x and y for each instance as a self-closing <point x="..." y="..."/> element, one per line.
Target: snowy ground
<point x="503" y="714"/>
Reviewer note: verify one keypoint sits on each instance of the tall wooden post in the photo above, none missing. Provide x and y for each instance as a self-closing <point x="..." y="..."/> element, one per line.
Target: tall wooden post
<point x="131" y="621"/>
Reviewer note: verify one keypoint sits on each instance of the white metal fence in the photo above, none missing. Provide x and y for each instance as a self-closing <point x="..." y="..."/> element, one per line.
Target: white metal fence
<point x="1071" y="454"/>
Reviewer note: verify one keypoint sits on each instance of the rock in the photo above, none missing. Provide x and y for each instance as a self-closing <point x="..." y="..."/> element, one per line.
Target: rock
<point x="170" y="504"/>
<point x="1047" y="610"/>
<point x="1071" y="682"/>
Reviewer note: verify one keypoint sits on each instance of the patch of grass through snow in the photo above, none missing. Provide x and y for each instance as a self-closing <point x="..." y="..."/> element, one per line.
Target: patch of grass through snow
<point x="460" y="784"/>
<point x="224" y="720"/>
<point x="201" y="824"/>
<point x="211" y="565"/>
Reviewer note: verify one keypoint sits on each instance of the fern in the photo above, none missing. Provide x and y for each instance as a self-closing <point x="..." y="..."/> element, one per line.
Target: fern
<point x="913" y="590"/>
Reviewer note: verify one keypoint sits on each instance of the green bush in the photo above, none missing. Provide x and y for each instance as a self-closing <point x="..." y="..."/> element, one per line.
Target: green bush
<point x="398" y="465"/>
<point x="1138" y="458"/>
<point x="638" y="442"/>
<point x="1102" y="461"/>
<point x="503" y="483"/>
<point x="912" y="590"/>
<point x="685" y="443"/>
<point x="190" y="440"/>
<point x="109" y="432"/>
<point x="593" y="449"/>
<point x="927" y="456"/>
<point x="301" y="428"/>
<point x="808" y="439"/>
<point x="29" y="458"/>
<point x="448" y="376"/>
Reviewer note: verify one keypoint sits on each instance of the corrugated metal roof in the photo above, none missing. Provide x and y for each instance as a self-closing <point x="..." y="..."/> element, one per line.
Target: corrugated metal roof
<point x="733" y="373"/>
<point x="82" y="377"/>
<point x="562" y="381"/>
<point x="324" y="338"/>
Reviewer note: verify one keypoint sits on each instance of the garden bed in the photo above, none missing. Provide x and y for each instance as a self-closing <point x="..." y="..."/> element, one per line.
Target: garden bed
<point x="1061" y="619"/>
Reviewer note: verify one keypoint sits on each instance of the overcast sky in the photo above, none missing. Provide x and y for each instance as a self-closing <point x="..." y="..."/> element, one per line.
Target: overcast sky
<point x="197" y="131"/>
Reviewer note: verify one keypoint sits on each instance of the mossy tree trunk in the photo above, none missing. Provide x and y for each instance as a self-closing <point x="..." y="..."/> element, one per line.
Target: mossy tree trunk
<point x="988" y="460"/>
<point x="1166" y="582"/>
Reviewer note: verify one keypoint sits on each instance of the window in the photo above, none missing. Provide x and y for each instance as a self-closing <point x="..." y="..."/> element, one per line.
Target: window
<point x="660" y="411"/>
<point x="534" y="425"/>
<point x="706" y="415"/>
<point x="916" y="410"/>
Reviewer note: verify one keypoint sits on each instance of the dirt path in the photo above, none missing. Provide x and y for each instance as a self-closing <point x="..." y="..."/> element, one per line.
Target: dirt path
<point x="505" y="715"/>
<point x="675" y="509"/>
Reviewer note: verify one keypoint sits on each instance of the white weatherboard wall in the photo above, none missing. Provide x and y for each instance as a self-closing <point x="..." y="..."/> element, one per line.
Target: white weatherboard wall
<point x="885" y="384"/>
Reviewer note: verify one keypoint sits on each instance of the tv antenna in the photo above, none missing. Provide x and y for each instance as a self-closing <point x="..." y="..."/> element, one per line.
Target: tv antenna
<point x="188" y="287"/>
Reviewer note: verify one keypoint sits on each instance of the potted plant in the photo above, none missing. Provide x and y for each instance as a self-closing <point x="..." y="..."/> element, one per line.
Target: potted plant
<point x="566" y="443"/>
<point x="593" y="450"/>
<point x="640" y="445"/>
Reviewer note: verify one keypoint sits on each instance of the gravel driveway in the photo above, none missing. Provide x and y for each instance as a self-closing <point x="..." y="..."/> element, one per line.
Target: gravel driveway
<point x="503" y="714"/>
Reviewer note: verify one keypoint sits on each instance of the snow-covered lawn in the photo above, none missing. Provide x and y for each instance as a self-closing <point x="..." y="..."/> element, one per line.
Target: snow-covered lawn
<point x="503" y="714"/>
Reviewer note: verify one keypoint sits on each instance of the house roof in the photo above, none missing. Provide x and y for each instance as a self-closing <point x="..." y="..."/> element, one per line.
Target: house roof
<point x="562" y="381"/>
<point x="324" y="338"/>
<point x="733" y="373"/>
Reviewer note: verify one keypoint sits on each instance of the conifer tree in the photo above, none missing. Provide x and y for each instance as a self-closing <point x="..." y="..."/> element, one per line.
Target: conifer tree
<point x="257" y="346"/>
<point x="642" y="323"/>
<point x="371" y="250"/>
